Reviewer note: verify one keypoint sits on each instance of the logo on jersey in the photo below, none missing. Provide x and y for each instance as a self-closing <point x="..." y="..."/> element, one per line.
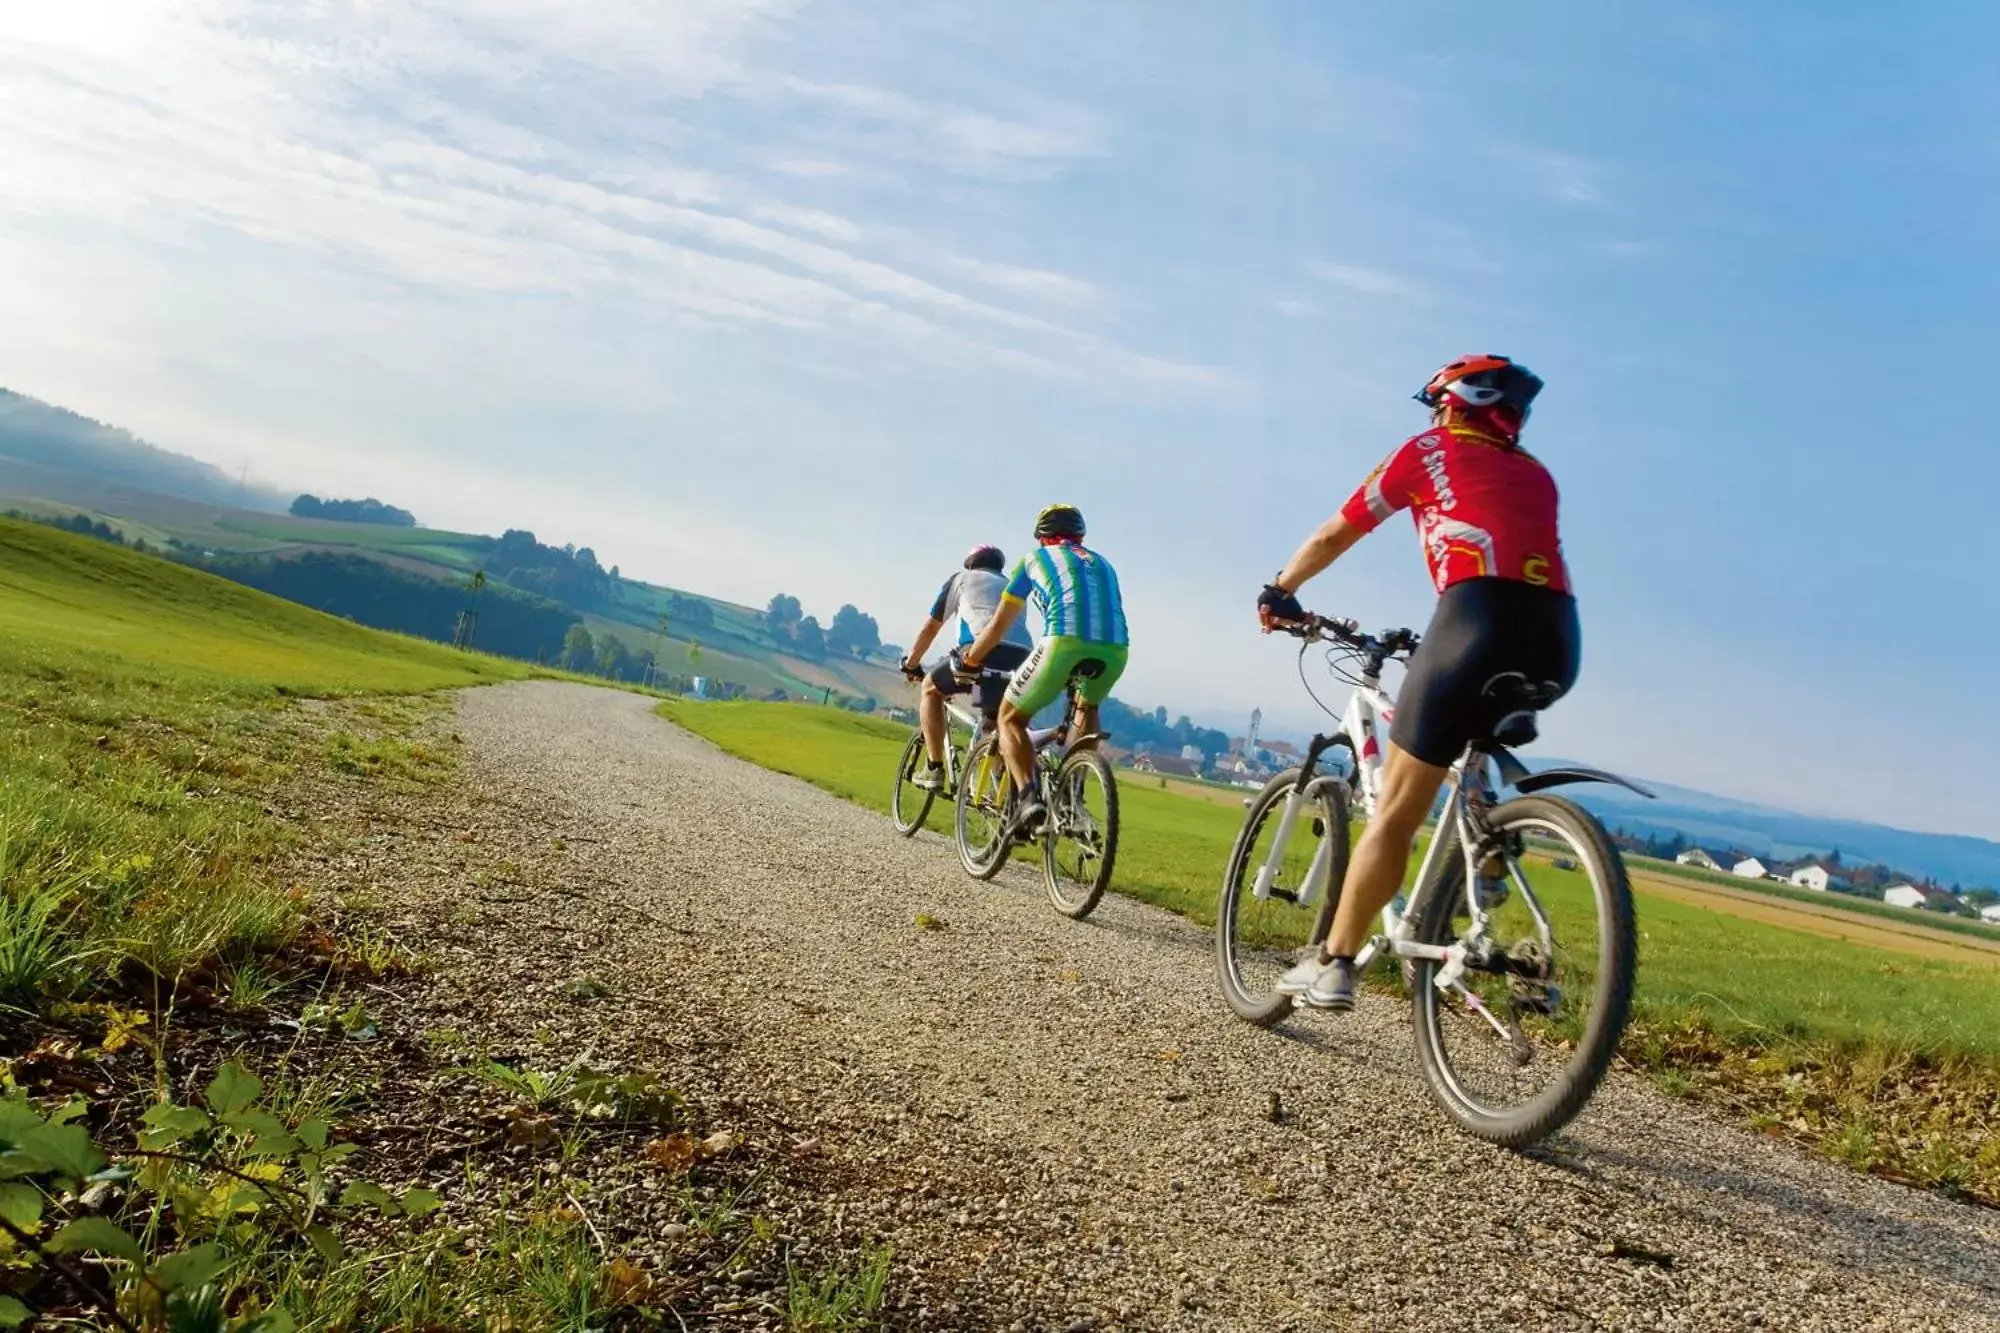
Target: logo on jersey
<point x="1440" y="482"/>
<point x="1535" y="570"/>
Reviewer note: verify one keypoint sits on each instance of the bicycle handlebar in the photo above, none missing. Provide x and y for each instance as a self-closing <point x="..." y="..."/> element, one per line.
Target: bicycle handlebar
<point x="1347" y="633"/>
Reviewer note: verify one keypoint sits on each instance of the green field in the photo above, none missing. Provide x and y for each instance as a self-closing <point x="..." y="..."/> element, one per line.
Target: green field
<point x="1844" y="902"/>
<point x="141" y="714"/>
<point x="1743" y="977"/>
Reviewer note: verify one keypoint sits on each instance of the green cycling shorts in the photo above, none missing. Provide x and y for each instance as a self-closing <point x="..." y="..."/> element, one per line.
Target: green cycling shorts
<point x="1043" y="677"/>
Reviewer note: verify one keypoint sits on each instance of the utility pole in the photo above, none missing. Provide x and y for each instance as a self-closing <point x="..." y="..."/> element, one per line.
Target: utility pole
<point x="468" y="617"/>
<point x="653" y="674"/>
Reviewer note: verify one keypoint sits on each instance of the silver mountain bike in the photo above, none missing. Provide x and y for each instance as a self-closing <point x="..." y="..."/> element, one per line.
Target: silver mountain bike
<point x="1517" y="941"/>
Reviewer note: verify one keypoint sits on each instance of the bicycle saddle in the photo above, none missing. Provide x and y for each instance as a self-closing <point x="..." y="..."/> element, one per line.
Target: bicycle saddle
<point x="1514" y="700"/>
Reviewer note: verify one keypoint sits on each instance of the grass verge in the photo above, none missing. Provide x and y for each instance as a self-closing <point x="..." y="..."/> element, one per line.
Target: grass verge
<point x="1888" y="1062"/>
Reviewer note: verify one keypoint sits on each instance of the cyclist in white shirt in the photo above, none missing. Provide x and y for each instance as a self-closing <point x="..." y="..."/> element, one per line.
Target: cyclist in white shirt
<point x="970" y="597"/>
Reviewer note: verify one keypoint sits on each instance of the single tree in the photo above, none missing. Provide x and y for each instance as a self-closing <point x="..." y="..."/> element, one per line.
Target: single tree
<point x="579" y="653"/>
<point x="853" y="632"/>
<point x="783" y="614"/>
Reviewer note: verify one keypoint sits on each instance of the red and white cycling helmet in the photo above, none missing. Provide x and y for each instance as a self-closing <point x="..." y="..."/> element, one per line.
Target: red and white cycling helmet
<point x="1491" y="385"/>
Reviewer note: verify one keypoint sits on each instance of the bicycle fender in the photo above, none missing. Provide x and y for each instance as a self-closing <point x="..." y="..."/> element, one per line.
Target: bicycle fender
<point x="1562" y="777"/>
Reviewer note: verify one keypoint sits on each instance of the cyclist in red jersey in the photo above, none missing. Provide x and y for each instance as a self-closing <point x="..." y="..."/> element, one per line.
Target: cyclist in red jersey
<point x="1485" y="511"/>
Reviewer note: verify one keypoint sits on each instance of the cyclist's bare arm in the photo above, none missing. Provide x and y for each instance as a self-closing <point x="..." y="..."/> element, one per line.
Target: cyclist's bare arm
<point x="995" y="631"/>
<point x="1331" y="540"/>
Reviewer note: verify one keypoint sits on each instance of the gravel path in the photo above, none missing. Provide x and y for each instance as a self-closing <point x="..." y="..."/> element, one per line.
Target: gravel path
<point x="1061" y="1122"/>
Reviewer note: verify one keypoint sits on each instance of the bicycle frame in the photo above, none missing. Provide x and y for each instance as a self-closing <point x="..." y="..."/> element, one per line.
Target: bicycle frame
<point x="1461" y="821"/>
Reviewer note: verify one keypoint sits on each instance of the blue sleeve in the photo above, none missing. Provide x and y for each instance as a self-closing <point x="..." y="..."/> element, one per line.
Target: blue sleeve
<point x="1019" y="585"/>
<point x="942" y="606"/>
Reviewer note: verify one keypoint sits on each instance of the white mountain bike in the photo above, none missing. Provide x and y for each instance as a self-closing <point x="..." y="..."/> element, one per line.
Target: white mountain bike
<point x="1520" y="989"/>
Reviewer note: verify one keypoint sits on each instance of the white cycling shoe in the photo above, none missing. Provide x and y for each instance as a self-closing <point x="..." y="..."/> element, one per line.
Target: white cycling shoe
<point x="928" y="777"/>
<point x="1320" y="985"/>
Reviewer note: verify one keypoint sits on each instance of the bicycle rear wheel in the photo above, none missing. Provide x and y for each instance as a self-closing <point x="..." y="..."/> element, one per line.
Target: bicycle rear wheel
<point x="1257" y="939"/>
<point x="980" y="815"/>
<point x="1516" y="1048"/>
<point x="1080" y="841"/>
<point x="909" y="804"/>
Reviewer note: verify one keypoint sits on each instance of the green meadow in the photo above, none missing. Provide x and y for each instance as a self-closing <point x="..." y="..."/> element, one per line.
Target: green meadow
<point x="142" y="715"/>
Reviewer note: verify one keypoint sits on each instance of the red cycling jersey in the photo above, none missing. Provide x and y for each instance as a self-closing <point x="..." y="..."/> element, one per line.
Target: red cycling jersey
<point x="1482" y="510"/>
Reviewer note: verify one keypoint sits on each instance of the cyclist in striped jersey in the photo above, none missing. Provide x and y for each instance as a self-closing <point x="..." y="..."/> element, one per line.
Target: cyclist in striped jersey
<point x="1083" y="637"/>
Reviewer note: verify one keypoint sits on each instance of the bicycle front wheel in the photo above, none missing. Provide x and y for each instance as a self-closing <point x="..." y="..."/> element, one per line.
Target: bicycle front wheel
<point x="980" y="817"/>
<point x="909" y="804"/>
<point x="1516" y="1047"/>
<point x="1258" y="939"/>
<point x="1080" y="842"/>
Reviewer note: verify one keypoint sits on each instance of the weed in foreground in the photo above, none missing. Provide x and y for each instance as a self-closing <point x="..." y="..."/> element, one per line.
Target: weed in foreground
<point x="837" y="1299"/>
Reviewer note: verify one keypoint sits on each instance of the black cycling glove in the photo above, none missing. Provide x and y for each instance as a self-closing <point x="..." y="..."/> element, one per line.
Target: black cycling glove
<point x="1281" y="604"/>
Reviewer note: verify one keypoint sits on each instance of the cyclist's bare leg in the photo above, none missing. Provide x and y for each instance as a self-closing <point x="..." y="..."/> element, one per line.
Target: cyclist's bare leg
<point x="1409" y="787"/>
<point x="1015" y="747"/>
<point x="930" y="717"/>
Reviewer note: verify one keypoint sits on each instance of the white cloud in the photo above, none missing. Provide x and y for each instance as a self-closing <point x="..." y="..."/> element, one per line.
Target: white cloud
<point x="806" y="167"/>
<point x="334" y="136"/>
<point x="1034" y="282"/>
<point x="955" y="139"/>
<point x="1366" y="281"/>
<point x="1293" y="308"/>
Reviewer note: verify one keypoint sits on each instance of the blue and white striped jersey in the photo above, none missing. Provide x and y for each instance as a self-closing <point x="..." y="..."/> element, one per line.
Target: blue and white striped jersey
<point x="1075" y="589"/>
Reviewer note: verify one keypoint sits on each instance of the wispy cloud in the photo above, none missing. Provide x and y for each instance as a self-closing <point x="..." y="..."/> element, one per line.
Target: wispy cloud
<point x="1040" y="284"/>
<point x="1293" y="308"/>
<point x="1366" y="281"/>
<point x="336" y="134"/>
<point x="1565" y="178"/>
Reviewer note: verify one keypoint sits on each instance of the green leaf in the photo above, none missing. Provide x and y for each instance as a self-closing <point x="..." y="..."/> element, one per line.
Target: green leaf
<point x="72" y="1109"/>
<point x="233" y="1089"/>
<point x="21" y="1205"/>
<point x="421" y="1202"/>
<point x="16" y="1118"/>
<point x="189" y="1269"/>
<point x="168" y="1124"/>
<point x="97" y="1235"/>
<point x="322" y="1239"/>
<point x="274" y="1320"/>
<point x="66" y="1149"/>
<point x="313" y="1133"/>
<point x="13" y="1314"/>
<point x="366" y="1193"/>
<point x="269" y="1137"/>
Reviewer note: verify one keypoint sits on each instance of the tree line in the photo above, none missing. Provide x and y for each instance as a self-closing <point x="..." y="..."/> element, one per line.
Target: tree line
<point x="852" y="633"/>
<point x="370" y="510"/>
<point x="83" y="525"/>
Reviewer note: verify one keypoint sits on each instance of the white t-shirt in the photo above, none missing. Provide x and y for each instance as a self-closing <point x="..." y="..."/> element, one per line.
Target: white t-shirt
<point x="973" y="595"/>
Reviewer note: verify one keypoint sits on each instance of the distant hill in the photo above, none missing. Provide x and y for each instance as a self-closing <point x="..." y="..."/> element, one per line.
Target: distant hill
<point x="43" y="440"/>
<point x="1722" y="822"/>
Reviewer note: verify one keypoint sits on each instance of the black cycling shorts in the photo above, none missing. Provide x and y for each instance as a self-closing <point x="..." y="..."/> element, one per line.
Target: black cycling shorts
<point x="1483" y="628"/>
<point x="992" y="689"/>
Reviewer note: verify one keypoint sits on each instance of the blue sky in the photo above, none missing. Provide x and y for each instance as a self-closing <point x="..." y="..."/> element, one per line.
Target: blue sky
<point x="810" y="296"/>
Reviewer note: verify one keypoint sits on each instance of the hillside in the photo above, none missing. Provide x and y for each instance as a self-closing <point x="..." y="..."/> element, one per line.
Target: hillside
<point x="64" y="597"/>
<point x="726" y="643"/>
<point x="40" y="441"/>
